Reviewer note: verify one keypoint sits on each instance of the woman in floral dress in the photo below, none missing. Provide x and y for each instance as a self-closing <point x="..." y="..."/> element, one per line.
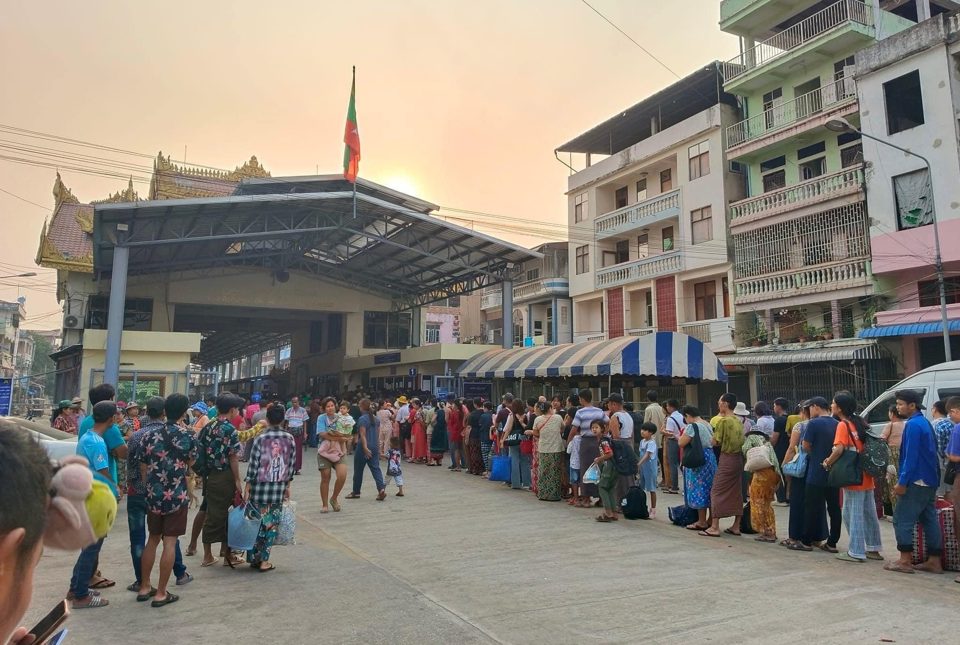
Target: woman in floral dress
<point x="697" y="482"/>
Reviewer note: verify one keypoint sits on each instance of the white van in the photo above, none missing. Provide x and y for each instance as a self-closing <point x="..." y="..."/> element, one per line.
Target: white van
<point x="937" y="383"/>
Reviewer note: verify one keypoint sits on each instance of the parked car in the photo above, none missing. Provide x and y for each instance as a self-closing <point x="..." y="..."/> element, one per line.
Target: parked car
<point x="57" y="444"/>
<point x="937" y="382"/>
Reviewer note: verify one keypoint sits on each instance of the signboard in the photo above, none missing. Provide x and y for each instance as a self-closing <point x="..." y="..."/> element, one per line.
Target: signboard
<point x="383" y="359"/>
<point x="6" y="396"/>
<point x="528" y="341"/>
<point x="442" y="393"/>
<point x="478" y="391"/>
<point x="412" y="371"/>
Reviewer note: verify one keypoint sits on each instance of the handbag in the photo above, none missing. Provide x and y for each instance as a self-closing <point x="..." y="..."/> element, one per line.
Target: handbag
<point x="950" y="473"/>
<point x="243" y="525"/>
<point x="516" y="433"/>
<point x="758" y="458"/>
<point x="796" y="467"/>
<point x="526" y="446"/>
<point x="287" y="525"/>
<point x="500" y="468"/>
<point x="693" y="453"/>
<point x="846" y="470"/>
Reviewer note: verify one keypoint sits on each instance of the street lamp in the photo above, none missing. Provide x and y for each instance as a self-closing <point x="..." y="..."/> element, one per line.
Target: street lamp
<point x="19" y="275"/>
<point x="842" y="125"/>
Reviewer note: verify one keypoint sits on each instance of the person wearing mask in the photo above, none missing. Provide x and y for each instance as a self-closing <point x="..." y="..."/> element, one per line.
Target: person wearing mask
<point x="672" y="431"/>
<point x="917" y="480"/>
<point x="817" y="442"/>
<point x="726" y="498"/>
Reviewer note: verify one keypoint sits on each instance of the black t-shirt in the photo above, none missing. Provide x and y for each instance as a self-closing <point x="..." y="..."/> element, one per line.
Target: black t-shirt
<point x="473" y="420"/>
<point x="780" y="426"/>
<point x="571" y="412"/>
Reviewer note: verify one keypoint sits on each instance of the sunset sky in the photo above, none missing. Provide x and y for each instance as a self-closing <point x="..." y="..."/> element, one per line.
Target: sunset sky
<point x="461" y="103"/>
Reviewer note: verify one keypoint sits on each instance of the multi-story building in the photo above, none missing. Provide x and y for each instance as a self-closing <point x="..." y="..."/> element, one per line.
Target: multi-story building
<point x="11" y="315"/>
<point x="541" y="301"/>
<point x="453" y="320"/>
<point x="909" y="88"/>
<point x="803" y="284"/>
<point x="648" y="234"/>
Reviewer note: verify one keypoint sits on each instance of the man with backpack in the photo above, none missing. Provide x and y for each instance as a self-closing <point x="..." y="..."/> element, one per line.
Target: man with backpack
<point x="622" y="431"/>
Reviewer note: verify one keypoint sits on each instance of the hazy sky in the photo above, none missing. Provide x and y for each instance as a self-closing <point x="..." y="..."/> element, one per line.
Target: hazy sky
<point x="460" y="102"/>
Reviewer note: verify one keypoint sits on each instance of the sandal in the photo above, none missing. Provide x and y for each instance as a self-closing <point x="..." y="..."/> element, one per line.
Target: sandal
<point x="708" y="534"/>
<point x="93" y="603"/>
<point x="799" y="546"/>
<point x="896" y="566"/>
<point x="208" y="564"/>
<point x="191" y="550"/>
<point x="382" y="495"/>
<point x="846" y="557"/>
<point x="731" y="532"/>
<point x="171" y="598"/>
<point x="603" y="518"/>
<point x="823" y="546"/>
<point x="335" y="505"/>
<point x="261" y="568"/>
<point x="102" y="583"/>
<point x="786" y="542"/>
<point x="696" y="527"/>
<point x="353" y="496"/>
<point x="144" y="597"/>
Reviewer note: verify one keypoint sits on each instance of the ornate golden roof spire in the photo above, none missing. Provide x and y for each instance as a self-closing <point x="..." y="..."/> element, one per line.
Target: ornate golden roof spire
<point x="62" y="194"/>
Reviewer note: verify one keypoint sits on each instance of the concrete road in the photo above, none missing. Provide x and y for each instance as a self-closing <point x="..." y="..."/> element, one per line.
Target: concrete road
<point x="463" y="560"/>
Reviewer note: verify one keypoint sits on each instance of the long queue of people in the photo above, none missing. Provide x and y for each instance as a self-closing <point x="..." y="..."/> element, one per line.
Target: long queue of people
<point x="820" y="459"/>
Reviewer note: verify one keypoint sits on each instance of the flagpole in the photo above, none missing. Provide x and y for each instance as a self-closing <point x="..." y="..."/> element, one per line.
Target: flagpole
<point x="358" y="169"/>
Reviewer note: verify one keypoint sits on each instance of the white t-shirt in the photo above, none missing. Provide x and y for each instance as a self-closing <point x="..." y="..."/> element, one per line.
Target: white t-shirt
<point x="674" y="424"/>
<point x="403" y="413"/>
<point x="626" y="424"/>
<point x="573" y="449"/>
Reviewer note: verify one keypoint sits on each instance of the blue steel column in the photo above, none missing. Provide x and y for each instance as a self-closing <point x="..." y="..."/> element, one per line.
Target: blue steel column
<point x="555" y="322"/>
<point x="118" y="296"/>
<point x="507" y="307"/>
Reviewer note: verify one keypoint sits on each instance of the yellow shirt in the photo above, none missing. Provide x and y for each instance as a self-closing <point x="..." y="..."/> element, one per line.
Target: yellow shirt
<point x="728" y="432"/>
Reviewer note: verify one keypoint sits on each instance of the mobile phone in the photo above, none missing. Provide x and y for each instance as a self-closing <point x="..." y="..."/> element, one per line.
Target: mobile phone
<point x="43" y="630"/>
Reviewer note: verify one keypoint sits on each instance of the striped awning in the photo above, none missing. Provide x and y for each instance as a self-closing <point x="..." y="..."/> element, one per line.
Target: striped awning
<point x="663" y="354"/>
<point x="854" y="351"/>
<point x="909" y="329"/>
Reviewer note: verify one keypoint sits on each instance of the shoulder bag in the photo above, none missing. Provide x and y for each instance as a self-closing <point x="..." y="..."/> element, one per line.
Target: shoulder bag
<point x="516" y="433"/>
<point x="846" y="470"/>
<point x="758" y="458"/>
<point x="797" y="467"/>
<point x="693" y="452"/>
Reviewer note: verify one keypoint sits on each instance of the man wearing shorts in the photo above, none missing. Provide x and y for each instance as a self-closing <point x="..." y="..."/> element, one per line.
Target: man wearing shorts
<point x="167" y="454"/>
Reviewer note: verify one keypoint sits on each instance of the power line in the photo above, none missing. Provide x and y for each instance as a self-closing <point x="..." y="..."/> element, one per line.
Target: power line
<point x="24" y="199"/>
<point x="630" y="38"/>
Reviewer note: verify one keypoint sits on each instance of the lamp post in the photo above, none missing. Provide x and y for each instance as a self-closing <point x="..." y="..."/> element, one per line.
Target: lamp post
<point x="842" y="125"/>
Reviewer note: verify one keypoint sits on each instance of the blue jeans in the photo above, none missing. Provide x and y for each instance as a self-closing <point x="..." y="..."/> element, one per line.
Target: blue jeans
<point x="860" y="517"/>
<point x="519" y="468"/>
<point x="359" y="462"/>
<point x="137" y="526"/>
<point x="84" y="569"/>
<point x="312" y="433"/>
<point x="673" y="462"/>
<point x="917" y="505"/>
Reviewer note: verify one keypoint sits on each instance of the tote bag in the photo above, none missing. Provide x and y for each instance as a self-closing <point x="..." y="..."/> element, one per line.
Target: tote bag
<point x="846" y="470"/>
<point x="500" y="468"/>
<point x="243" y="525"/>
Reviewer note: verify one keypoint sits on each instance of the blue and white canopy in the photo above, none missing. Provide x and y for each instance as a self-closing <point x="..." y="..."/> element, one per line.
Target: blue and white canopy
<point x="663" y="354"/>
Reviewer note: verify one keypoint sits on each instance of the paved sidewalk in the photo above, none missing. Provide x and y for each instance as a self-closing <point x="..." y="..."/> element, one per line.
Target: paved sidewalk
<point x="463" y="560"/>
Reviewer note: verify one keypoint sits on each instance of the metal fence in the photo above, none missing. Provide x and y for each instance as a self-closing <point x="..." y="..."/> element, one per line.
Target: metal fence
<point x="799" y="382"/>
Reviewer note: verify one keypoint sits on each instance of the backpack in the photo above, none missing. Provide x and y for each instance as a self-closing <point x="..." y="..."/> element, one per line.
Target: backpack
<point x="624" y="457"/>
<point x="746" y="524"/>
<point x="634" y="505"/>
<point x="202" y="466"/>
<point x="875" y="456"/>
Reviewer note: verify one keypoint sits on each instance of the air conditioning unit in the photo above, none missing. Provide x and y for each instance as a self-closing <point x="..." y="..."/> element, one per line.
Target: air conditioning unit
<point x="71" y="322"/>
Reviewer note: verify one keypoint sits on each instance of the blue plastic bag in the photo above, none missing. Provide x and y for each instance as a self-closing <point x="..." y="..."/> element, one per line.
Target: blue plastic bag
<point x="592" y="476"/>
<point x="243" y="525"/>
<point x="500" y="468"/>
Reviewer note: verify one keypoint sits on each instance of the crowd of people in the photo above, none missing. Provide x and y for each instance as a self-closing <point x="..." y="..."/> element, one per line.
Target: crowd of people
<point x="590" y="455"/>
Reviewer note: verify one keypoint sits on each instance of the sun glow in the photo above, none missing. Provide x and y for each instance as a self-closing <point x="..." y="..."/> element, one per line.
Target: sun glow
<point x="403" y="183"/>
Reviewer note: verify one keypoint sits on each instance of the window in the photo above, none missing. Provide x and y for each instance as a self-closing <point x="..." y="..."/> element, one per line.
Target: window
<point x="623" y="251"/>
<point x="808" y="99"/>
<point x="699" y="156"/>
<point x="772" y="118"/>
<point x="813" y="149"/>
<point x="581" y="207"/>
<point x="912" y="194"/>
<point x="137" y="313"/>
<point x="334" y="331"/>
<point x="386" y="329"/>
<point x="701" y="224"/>
<point x="929" y="292"/>
<point x="666" y="180"/>
<point x="608" y="259"/>
<point x="642" y="189"/>
<point x="667" y="236"/>
<point x="533" y="274"/>
<point x="705" y="296"/>
<point x="851" y="149"/>
<point x="316" y="336"/>
<point x="583" y="259"/>
<point x="774" y="176"/>
<point x="839" y="68"/>
<point x="432" y="333"/>
<point x="813" y="168"/>
<point x="904" y="102"/>
<point x="648" y="307"/>
<point x="643" y="245"/>
<point x="620" y="197"/>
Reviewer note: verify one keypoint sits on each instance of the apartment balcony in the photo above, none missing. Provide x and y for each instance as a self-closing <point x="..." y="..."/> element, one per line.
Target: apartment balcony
<point x="808" y="280"/>
<point x="533" y="290"/>
<point x="640" y="331"/>
<point x="784" y="121"/>
<point x="636" y="216"/>
<point x="840" y="27"/>
<point x="716" y="332"/>
<point x="848" y="181"/>
<point x="589" y="337"/>
<point x="743" y="17"/>
<point x="637" y="270"/>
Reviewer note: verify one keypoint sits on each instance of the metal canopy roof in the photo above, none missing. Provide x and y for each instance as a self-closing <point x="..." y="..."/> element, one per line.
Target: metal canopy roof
<point x="689" y="96"/>
<point x="392" y="247"/>
<point x="849" y="351"/>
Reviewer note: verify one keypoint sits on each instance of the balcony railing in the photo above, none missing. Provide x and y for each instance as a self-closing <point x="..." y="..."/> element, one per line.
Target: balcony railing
<point x="627" y="272"/>
<point x="492" y="297"/>
<point x="852" y="273"/>
<point x="839" y="14"/>
<point x="836" y="94"/>
<point x="638" y="215"/>
<point x="814" y="191"/>
<point x="640" y="331"/>
<point x="715" y="332"/>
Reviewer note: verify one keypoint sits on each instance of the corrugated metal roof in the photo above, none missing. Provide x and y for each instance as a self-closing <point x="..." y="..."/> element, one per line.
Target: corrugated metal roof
<point x="868" y="350"/>
<point x="909" y="329"/>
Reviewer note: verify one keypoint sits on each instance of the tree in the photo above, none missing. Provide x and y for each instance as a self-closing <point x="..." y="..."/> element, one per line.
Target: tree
<point x="42" y="363"/>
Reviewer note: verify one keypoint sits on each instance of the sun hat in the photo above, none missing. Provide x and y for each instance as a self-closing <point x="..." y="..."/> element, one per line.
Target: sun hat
<point x="402" y="400"/>
<point x="741" y="409"/>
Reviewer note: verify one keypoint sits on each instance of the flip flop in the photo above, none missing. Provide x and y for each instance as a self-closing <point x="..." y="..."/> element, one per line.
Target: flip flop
<point x="190" y="552"/>
<point x="270" y="568"/>
<point x="102" y="583"/>
<point x="895" y="566"/>
<point x="144" y="597"/>
<point x="171" y="598"/>
<point x="730" y="532"/>
<point x="846" y="557"/>
<point x="95" y="601"/>
<point x="799" y="546"/>
<point x="696" y="527"/>
<point x="208" y="564"/>
<point x="335" y="505"/>
<point x="873" y="555"/>
<point x="603" y="518"/>
<point x="705" y="534"/>
<point x="353" y="496"/>
<point x="324" y="510"/>
<point x="826" y="547"/>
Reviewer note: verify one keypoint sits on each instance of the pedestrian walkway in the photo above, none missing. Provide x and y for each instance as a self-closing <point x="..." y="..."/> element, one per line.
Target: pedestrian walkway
<point x="463" y="560"/>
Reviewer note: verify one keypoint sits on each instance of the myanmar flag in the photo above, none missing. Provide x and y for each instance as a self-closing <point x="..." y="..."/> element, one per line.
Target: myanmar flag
<point x="351" y="138"/>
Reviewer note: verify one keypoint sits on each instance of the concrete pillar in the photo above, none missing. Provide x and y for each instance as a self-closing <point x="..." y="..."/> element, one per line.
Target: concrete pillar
<point x="506" y="288"/>
<point x="530" y="320"/>
<point x="835" y="322"/>
<point x="118" y="297"/>
<point x="753" y="373"/>
<point x="555" y="318"/>
<point x="923" y="10"/>
<point x="417" y="327"/>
